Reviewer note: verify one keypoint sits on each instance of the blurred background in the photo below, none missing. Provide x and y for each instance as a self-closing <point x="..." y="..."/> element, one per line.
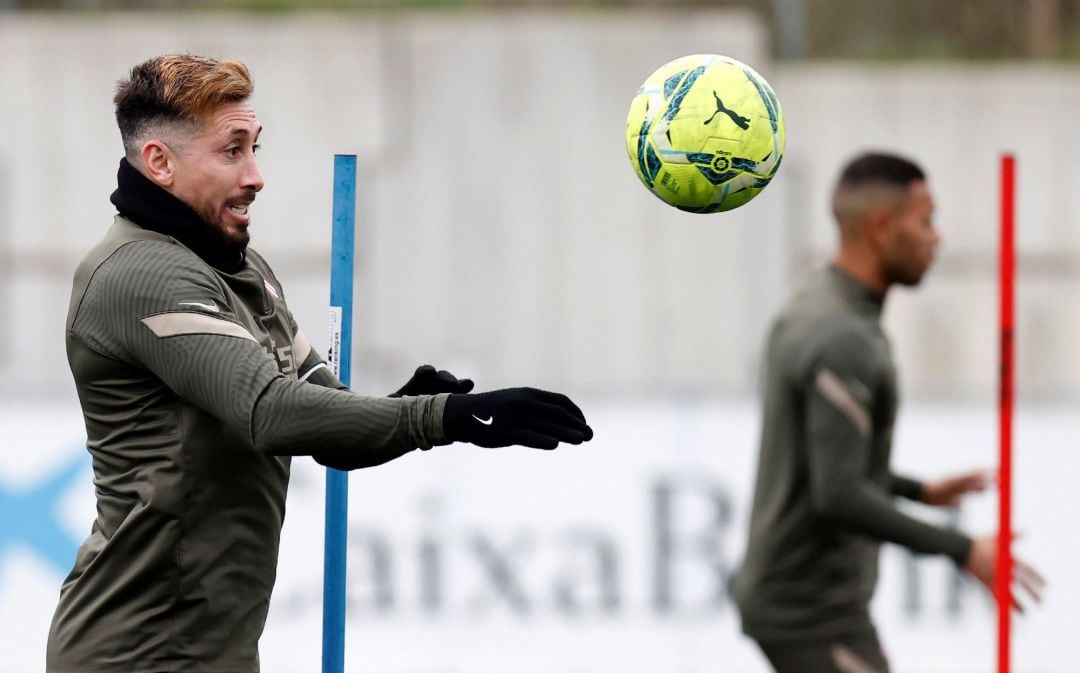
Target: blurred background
<point x="503" y="234"/>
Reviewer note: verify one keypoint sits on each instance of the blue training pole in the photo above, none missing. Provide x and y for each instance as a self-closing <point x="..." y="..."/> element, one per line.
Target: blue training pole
<point x="340" y="357"/>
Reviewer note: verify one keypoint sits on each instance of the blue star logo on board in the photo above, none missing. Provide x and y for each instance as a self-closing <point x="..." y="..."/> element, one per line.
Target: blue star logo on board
<point x="30" y="514"/>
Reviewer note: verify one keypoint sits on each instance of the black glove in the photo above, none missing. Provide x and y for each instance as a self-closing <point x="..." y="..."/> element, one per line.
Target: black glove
<point x="524" y="416"/>
<point x="426" y="381"/>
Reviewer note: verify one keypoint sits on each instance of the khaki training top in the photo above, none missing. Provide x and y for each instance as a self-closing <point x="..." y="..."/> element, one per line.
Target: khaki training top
<point x="823" y="500"/>
<point x="190" y="381"/>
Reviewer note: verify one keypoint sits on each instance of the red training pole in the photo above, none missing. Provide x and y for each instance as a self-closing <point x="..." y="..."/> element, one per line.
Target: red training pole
<point x="1006" y="282"/>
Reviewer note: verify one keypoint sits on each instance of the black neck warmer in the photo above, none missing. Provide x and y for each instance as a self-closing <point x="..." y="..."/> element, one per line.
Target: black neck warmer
<point x="151" y="207"/>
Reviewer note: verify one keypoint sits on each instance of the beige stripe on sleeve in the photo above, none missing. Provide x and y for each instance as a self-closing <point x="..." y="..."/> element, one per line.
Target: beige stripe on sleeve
<point x="848" y="662"/>
<point x="301" y="347"/>
<point x="178" y="323"/>
<point x="833" y="389"/>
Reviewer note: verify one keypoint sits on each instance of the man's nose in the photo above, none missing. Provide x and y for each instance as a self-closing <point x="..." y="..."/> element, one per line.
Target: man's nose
<point x="252" y="176"/>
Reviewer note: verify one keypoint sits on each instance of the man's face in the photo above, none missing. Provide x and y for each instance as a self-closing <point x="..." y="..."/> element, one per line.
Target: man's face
<point x="216" y="173"/>
<point x="911" y="239"/>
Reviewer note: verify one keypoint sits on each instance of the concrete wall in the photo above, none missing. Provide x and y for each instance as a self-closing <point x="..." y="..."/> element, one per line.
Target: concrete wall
<point x="502" y="230"/>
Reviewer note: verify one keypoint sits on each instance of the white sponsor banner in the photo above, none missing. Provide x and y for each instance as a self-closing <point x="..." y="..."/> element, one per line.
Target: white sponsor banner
<point x="611" y="556"/>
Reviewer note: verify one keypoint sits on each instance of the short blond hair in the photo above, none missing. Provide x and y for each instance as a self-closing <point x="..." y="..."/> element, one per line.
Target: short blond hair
<point x="173" y="92"/>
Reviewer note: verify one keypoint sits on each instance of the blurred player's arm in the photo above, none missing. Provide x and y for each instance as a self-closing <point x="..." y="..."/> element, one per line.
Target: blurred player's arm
<point x="905" y="487"/>
<point x="840" y="428"/>
<point x="945" y="492"/>
<point x="839" y="406"/>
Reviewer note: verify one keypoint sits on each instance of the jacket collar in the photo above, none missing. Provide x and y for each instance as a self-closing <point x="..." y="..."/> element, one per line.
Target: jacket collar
<point x="858" y="295"/>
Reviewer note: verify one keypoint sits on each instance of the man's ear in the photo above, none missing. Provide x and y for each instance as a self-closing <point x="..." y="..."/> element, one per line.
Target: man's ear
<point x="159" y="163"/>
<point x="878" y="227"/>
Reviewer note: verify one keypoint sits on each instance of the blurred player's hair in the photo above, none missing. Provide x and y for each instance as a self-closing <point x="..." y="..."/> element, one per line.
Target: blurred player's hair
<point x="168" y="95"/>
<point x="872" y="180"/>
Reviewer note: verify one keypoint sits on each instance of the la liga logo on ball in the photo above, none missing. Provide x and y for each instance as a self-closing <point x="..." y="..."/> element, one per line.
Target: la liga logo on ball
<point x="705" y="133"/>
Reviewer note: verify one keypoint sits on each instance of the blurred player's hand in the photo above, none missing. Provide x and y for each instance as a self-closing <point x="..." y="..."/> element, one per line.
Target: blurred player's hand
<point x="525" y="416"/>
<point x="982" y="562"/>
<point x="947" y="492"/>
<point x="427" y="381"/>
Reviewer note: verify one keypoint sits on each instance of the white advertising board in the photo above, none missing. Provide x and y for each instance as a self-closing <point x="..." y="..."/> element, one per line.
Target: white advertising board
<point x="611" y="556"/>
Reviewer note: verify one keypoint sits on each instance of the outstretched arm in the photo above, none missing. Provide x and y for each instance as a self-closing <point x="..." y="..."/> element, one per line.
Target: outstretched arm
<point x="426" y="380"/>
<point x="149" y="307"/>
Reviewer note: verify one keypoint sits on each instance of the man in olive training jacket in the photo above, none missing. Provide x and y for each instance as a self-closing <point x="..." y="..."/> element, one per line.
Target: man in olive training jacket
<point x="823" y="500"/>
<point x="197" y="387"/>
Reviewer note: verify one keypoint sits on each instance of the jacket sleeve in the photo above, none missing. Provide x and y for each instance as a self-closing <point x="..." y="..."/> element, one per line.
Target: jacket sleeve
<point x="905" y="487"/>
<point x="839" y="403"/>
<point x="313" y="369"/>
<point x="149" y="305"/>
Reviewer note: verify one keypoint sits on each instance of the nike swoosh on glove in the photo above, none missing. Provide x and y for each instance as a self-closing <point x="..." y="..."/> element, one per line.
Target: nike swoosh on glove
<point x="427" y="381"/>
<point x="524" y="416"/>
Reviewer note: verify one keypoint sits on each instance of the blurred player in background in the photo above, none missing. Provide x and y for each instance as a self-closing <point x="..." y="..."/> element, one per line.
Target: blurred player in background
<point x="824" y="492"/>
<point x="197" y="386"/>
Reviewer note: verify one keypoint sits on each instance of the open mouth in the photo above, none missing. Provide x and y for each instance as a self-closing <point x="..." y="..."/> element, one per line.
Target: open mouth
<point x="239" y="210"/>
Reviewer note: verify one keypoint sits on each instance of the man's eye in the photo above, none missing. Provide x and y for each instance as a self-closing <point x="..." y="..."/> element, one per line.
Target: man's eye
<point x="233" y="151"/>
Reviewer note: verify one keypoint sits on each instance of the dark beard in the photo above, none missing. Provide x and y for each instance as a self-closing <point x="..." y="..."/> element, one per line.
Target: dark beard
<point x="225" y="237"/>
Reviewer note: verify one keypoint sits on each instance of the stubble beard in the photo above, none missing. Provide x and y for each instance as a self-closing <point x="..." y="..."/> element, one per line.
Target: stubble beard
<point x="229" y="237"/>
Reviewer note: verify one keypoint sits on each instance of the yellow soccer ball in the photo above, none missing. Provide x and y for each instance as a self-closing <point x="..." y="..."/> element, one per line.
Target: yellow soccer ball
<point x="705" y="133"/>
